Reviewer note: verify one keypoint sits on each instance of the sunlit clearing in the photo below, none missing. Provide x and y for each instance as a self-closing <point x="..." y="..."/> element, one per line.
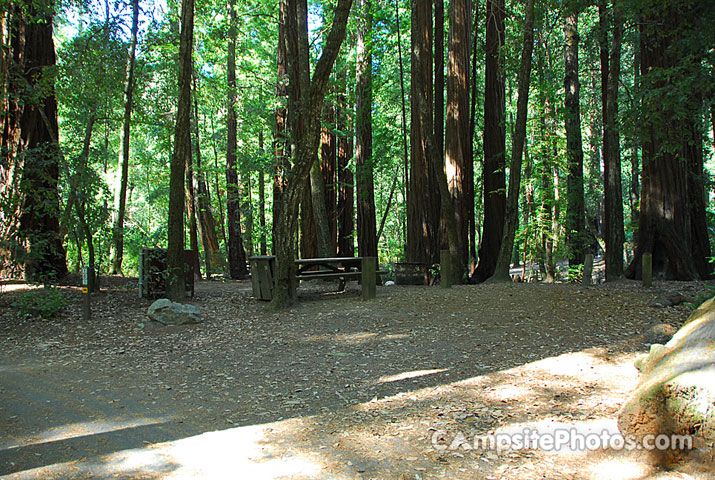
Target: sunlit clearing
<point x="81" y="429"/>
<point x="621" y="468"/>
<point x="412" y="374"/>
<point x="243" y="452"/>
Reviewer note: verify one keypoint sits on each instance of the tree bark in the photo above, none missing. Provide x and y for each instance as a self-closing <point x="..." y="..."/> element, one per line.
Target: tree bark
<point x="365" y="190"/>
<point x="120" y="191"/>
<point x="263" y="243"/>
<point x="613" y="201"/>
<point x="281" y="148"/>
<point x="207" y="222"/>
<point x="305" y="101"/>
<point x="423" y="210"/>
<point x="511" y="219"/>
<point x="493" y="178"/>
<point x="457" y="155"/>
<point x="326" y="248"/>
<point x="346" y="223"/>
<point x="236" y="254"/>
<point x="439" y="126"/>
<point x="576" y="213"/>
<point x="175" y="288"/>
<point x="671" y="174"/>
<point x="328" y="151"/>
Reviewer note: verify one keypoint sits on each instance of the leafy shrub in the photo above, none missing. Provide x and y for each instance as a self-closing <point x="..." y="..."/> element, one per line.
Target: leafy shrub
<point x="44" y="303"/>
<point x="702" y="297"/>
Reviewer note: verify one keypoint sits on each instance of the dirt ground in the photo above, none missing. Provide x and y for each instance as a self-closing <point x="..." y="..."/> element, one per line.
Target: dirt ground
<point x="334" y="388"/>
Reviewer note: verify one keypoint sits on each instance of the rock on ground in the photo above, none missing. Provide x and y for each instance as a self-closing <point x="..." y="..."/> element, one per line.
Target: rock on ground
<point x="676" y="393"/>
<point x="170" y="313"/>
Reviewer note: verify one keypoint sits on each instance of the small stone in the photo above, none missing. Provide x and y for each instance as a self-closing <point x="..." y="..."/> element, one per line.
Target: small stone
<point x="167" y="312"/>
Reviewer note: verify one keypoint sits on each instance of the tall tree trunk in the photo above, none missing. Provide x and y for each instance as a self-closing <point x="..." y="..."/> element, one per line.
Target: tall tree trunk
<point x="305" y="102"/>
<point x="236" y="253"/>
<point x="281" y="148"/>
<point x="511" y="219"/>
<point x="326" y="248"/>
<point x="217" y="187"/>
<point x="192" y="216"/>
<point x="175" y="288"/>
<point x="120" y="189"/>
<point x="403" y="111"/>
<point x="613" y="201"/>
<point x="634" y="197"/>
<point x="366" y="216"/>
<point x="247" y="210"/>
<point x="423" y="207"/>
<point x="207" y="222"/>
<point x="328" y="150"/>
<point x="39" y="144"/>
<point x="346" y="223"/>
<point x="262" y="200"/>
<point x="439" y="127"/>
<point x="457" y="155"/>
<point x="470" y="195"/>
<point x="493" y="178"/>
<point x="576" y="213"/>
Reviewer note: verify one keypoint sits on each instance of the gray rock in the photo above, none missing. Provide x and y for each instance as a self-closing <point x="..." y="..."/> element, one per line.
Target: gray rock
<point x="167" y="312"/>
<point x="676" y="392"/>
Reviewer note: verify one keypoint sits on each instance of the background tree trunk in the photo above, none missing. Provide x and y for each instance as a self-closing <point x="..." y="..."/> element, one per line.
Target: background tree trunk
<point x="328" y="150"/>
<point x="493" y="178"/>
<point x="120" y="190"/>
<point x="613" y="201"/>
<point x="175" y="288"/>
<point x="511" y="219"/>
<point x="366" y="216"/>
<point x="576" y="214"/>
<point x="346" y="223"/>
<point x="236" y="254"/>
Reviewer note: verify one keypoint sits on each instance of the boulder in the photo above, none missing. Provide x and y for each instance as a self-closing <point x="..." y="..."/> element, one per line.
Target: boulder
<point x="167" y="312"/>
<point x="676" y="392"/>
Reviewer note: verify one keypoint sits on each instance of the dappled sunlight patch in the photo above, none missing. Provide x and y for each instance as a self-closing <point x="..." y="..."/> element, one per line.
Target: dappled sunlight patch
<point x="356" y="338"/>
<point x="407" y="375"/>
<point x="81" y="429"/>
<point x="621" y="468"/>
<point x="254" y="451"/>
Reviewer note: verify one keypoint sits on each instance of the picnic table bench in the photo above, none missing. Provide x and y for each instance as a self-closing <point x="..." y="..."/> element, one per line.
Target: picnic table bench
<point x="363" y="269"/>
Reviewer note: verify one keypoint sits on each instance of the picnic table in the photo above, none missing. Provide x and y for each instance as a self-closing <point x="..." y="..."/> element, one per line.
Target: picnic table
<point x="343" y="269"/>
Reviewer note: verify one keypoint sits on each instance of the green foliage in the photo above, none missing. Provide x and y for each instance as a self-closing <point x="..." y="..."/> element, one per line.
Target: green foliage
<point x="44" y="303"/>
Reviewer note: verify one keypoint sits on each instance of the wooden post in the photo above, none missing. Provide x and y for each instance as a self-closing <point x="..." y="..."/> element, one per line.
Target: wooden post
<point x="446" y="266"/>
<point x="588" y="269"/>
<point x="647" y="270"/>
<point x="368" y="281"/>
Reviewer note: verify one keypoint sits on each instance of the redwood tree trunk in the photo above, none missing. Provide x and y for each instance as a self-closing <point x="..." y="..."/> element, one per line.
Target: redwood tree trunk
<point x="175" y="289"/>
<point x="493" y="179"/>
<point x="423" y="207"/>
<point x="613" y="201"/>
<point x="365" y="190"/>
<point x="669" y="187"/>
<point x="346" y="223"/>
<point x="236" y="254"/>
<point x="511" y="219"/>
<point x="457" y="155"/>
<point x="576" y="214"/>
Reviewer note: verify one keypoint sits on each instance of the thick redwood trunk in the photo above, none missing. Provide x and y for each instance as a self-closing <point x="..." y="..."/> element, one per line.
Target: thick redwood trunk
<point x="493" y="178"/>
<point x="458" y="152"/>
<point x="671" y="177"/>
<point x="423" y="208"/>
<point x="328" y="151"/>
<point x="39" y="143"/>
